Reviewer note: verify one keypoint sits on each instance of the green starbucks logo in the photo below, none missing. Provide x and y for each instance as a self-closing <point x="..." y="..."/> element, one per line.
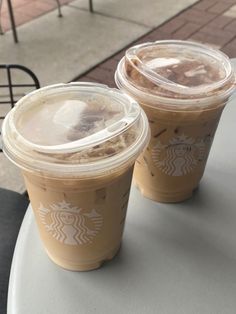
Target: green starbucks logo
<point x="69" y="224"/>
<point x="180" y="156"/>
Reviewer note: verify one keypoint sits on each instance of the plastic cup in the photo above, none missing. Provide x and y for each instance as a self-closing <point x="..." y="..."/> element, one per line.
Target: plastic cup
<point x="76" y="145"/>
<point x="183" y="87"/>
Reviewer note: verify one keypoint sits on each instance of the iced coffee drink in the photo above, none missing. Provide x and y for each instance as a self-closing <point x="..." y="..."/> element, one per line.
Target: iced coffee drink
<point x="76" y="145"/>
<point x="183" y="88"/>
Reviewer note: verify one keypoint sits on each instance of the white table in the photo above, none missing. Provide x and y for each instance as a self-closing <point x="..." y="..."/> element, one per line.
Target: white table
<point x="178" y="258"/>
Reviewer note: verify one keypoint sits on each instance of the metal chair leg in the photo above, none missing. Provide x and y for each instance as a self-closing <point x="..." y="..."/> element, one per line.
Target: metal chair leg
<point x="1" y="30"/>
<point x="59" y="8"/>
<point x="91" y="6"/>
<point x="13" y="25"/>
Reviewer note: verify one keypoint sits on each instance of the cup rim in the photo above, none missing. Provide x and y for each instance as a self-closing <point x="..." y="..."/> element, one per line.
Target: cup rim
<point x="13" y="149"/>
<point x="171" y="103"/>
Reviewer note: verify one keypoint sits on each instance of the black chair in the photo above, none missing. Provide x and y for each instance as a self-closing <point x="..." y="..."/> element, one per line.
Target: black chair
<point x="12" y="209"/>
<point x="10" y="90"/>
<point x="12" y="205"/>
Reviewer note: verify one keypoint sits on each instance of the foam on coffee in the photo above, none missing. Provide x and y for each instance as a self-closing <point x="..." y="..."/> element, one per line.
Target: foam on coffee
<point x="59" y="120"/>
<point x="169" y="71"/>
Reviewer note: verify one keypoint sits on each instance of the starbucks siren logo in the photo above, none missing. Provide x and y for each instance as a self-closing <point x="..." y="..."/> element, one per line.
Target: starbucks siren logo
<point x="180" y="156"/>
<point x="69" y="224"/>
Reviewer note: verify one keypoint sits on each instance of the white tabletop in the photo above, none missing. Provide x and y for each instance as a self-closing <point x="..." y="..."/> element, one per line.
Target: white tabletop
<point x="178" y="258"/>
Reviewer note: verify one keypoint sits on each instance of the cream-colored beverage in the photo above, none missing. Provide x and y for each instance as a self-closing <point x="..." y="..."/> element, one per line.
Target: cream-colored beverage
<point x="76" y="145"/>
<point x="183" y="87"/>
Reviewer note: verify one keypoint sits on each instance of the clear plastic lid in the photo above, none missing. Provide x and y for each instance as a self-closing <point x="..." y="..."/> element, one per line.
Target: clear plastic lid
<point x="69" y="128"/>
<point x="176" y="69"/>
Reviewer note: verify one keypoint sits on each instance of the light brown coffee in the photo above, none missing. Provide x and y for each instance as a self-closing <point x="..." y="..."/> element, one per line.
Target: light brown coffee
<point x="183" y="88"/>
<point x="80" y="222"/>
<point x="174" y="161"/>
<point x="76" y="145"/>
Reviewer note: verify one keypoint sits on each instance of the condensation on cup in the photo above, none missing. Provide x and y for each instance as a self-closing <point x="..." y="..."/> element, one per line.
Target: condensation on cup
<point x="76" y="145"/>
<point x="183" y="87"/>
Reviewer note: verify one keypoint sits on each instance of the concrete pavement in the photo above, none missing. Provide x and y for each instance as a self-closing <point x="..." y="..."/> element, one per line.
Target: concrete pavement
<point x="59" y="49"/>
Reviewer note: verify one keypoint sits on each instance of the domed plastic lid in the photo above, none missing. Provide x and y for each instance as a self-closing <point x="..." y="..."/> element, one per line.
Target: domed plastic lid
<point x="178" y="69"/>
<point x="69" y="127"/>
